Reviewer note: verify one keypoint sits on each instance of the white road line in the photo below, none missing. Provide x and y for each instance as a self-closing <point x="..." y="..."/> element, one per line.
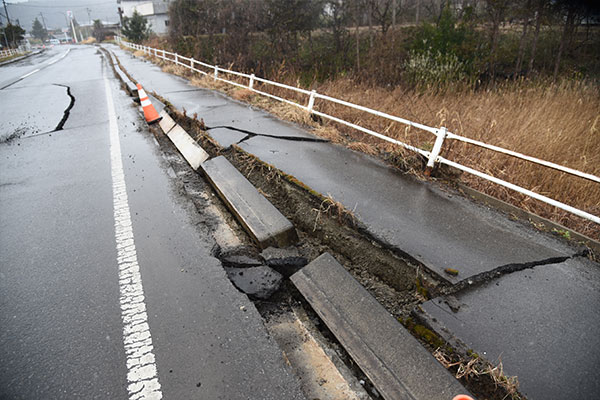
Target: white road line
<point x="30" y="73"/>
<point x="60" y="58"/>
<point x="142" y="375"/>
<point x="50" y="63"/>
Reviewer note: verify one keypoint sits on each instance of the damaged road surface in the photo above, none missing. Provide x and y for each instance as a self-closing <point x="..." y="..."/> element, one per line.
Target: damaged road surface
<point x="108" y="287"/>
<point x="490" y="286"/>
<point x="541" y="322"/>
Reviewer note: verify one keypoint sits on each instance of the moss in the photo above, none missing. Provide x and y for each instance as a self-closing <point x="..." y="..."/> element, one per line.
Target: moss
<point x="472" y="353"/>
<point x="428" y="336"/>
<point x="421" y="289"/>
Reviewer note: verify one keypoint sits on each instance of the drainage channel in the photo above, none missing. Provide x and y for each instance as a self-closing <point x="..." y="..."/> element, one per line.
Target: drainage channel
<point x="324" y="369"/>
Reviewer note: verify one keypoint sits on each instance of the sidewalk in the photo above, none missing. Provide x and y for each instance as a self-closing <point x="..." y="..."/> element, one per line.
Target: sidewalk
<point x="440" y="229"/>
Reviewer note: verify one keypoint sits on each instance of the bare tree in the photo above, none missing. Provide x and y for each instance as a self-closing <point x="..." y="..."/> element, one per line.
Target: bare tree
<point x="382" y="12"/>
<point x="525" y="12"/>
<point x="496" y="11"/>
<point x="569" y="10"/>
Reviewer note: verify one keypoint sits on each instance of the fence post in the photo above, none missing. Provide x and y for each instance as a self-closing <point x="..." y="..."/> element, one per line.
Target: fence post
<point x="192" y="63"/>
<point x="311" y="101"/>
<point x="216" y="72"/>
<point x="437" y="148"/>
<point x="251" y="84"/>
<point x="164" y="56"/>
<point x="176" y="59"/>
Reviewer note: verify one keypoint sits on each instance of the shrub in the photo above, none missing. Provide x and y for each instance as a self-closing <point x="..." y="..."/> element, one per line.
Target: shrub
<point x="433" y="70"/>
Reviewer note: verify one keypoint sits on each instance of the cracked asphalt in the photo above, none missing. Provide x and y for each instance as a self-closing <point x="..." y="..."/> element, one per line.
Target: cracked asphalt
<point x="81" y="207"/>
<point x="522" y="297"/>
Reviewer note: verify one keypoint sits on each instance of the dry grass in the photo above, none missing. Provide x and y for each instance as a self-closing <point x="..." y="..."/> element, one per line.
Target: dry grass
<point x="331" y="207"/>
<point x="363" y="147"/>
<point x="330" y="133"/>
<point x="558" y="123"/>
<point x="475" y="367"/>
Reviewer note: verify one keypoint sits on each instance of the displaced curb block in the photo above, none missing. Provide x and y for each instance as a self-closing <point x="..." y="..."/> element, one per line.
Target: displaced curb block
<point x="166" y="123"/>
<point x="129" y="85"/>
<point x="265" y="224"/>
<point x="396" y="363"/>
<point x="189" y="149"/>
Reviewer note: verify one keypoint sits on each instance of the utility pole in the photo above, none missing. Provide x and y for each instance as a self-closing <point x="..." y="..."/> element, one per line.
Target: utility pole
<point x="6" y="12"/>
<point x="70" y="15"/>
<point x="44" y="22"/>
<point x="89" y="15"/>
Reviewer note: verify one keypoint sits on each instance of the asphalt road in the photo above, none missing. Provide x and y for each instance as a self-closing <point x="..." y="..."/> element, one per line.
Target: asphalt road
<point x="107" y="286"/>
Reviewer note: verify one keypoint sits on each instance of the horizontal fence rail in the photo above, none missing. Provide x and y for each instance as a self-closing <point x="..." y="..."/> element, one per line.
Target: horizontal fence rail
<point x="441" y="134"/>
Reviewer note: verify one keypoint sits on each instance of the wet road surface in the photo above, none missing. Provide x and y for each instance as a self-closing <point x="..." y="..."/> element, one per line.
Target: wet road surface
<point x="107" y="285"/>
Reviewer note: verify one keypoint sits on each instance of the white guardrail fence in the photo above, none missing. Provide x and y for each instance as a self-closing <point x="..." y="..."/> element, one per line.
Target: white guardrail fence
<point x="10" y="52"/>
<point x="432" y="156"/>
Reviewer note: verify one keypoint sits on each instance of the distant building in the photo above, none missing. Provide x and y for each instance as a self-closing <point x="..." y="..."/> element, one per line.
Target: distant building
<point x="156" y="12"/>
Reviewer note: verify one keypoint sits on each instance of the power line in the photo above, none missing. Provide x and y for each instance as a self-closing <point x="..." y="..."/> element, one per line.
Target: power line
<point x="59" y="6"/>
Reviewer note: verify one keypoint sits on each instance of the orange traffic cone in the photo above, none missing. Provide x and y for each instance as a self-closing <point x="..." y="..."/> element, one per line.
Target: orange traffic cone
<point x="149" y="111"/>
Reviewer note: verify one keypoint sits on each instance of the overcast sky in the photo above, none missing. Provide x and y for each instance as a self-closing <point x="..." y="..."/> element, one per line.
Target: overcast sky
<point x="54" y="11"/>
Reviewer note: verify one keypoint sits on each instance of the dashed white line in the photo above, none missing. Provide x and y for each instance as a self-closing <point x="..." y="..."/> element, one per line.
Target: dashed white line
<point x="142" y="375"/>
<point x="30" y="73"/>
<point x="49" y="63"/>
<point x="59" y="58"/>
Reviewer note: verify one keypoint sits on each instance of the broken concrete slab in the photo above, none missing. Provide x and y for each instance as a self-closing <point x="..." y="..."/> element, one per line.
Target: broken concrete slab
<point x="286" y="261"/>
<point x="188" y="147"/>
<point x="240" y="261"/>
<point x="543" y="324"/>
<point x="258" y="282"/>
<point x="265" y="224"/>
<point x="396" y="363"/>
<point x="166" y="123"/>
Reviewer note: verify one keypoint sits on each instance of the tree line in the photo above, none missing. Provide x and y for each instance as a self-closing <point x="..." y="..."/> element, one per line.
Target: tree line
<point x="391" y="41"/>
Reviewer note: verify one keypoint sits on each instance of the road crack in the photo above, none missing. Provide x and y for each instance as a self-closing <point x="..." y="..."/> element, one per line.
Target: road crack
<point x="488" y="276"/>
<point x="250" y="135"/>
<point x="67" y="111"/>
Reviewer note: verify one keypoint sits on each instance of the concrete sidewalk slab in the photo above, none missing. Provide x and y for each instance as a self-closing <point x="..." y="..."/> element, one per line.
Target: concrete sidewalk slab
<point x="543" y="323"/>
<point x="266" y="225"/>
<point x="437" y="228"/>
<point x="398" y="366"/>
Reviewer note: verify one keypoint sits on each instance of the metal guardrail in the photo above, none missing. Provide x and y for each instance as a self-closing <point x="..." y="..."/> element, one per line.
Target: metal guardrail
<point x="10" y="52"/>
<point x="433" y="156"/>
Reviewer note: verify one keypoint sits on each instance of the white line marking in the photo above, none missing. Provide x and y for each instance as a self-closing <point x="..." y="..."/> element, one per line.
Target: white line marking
<point x="31" y="73"/>
<point x="142" y="375"/>
<point x="50" y="63"/>
<point x="59" y="58"/>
